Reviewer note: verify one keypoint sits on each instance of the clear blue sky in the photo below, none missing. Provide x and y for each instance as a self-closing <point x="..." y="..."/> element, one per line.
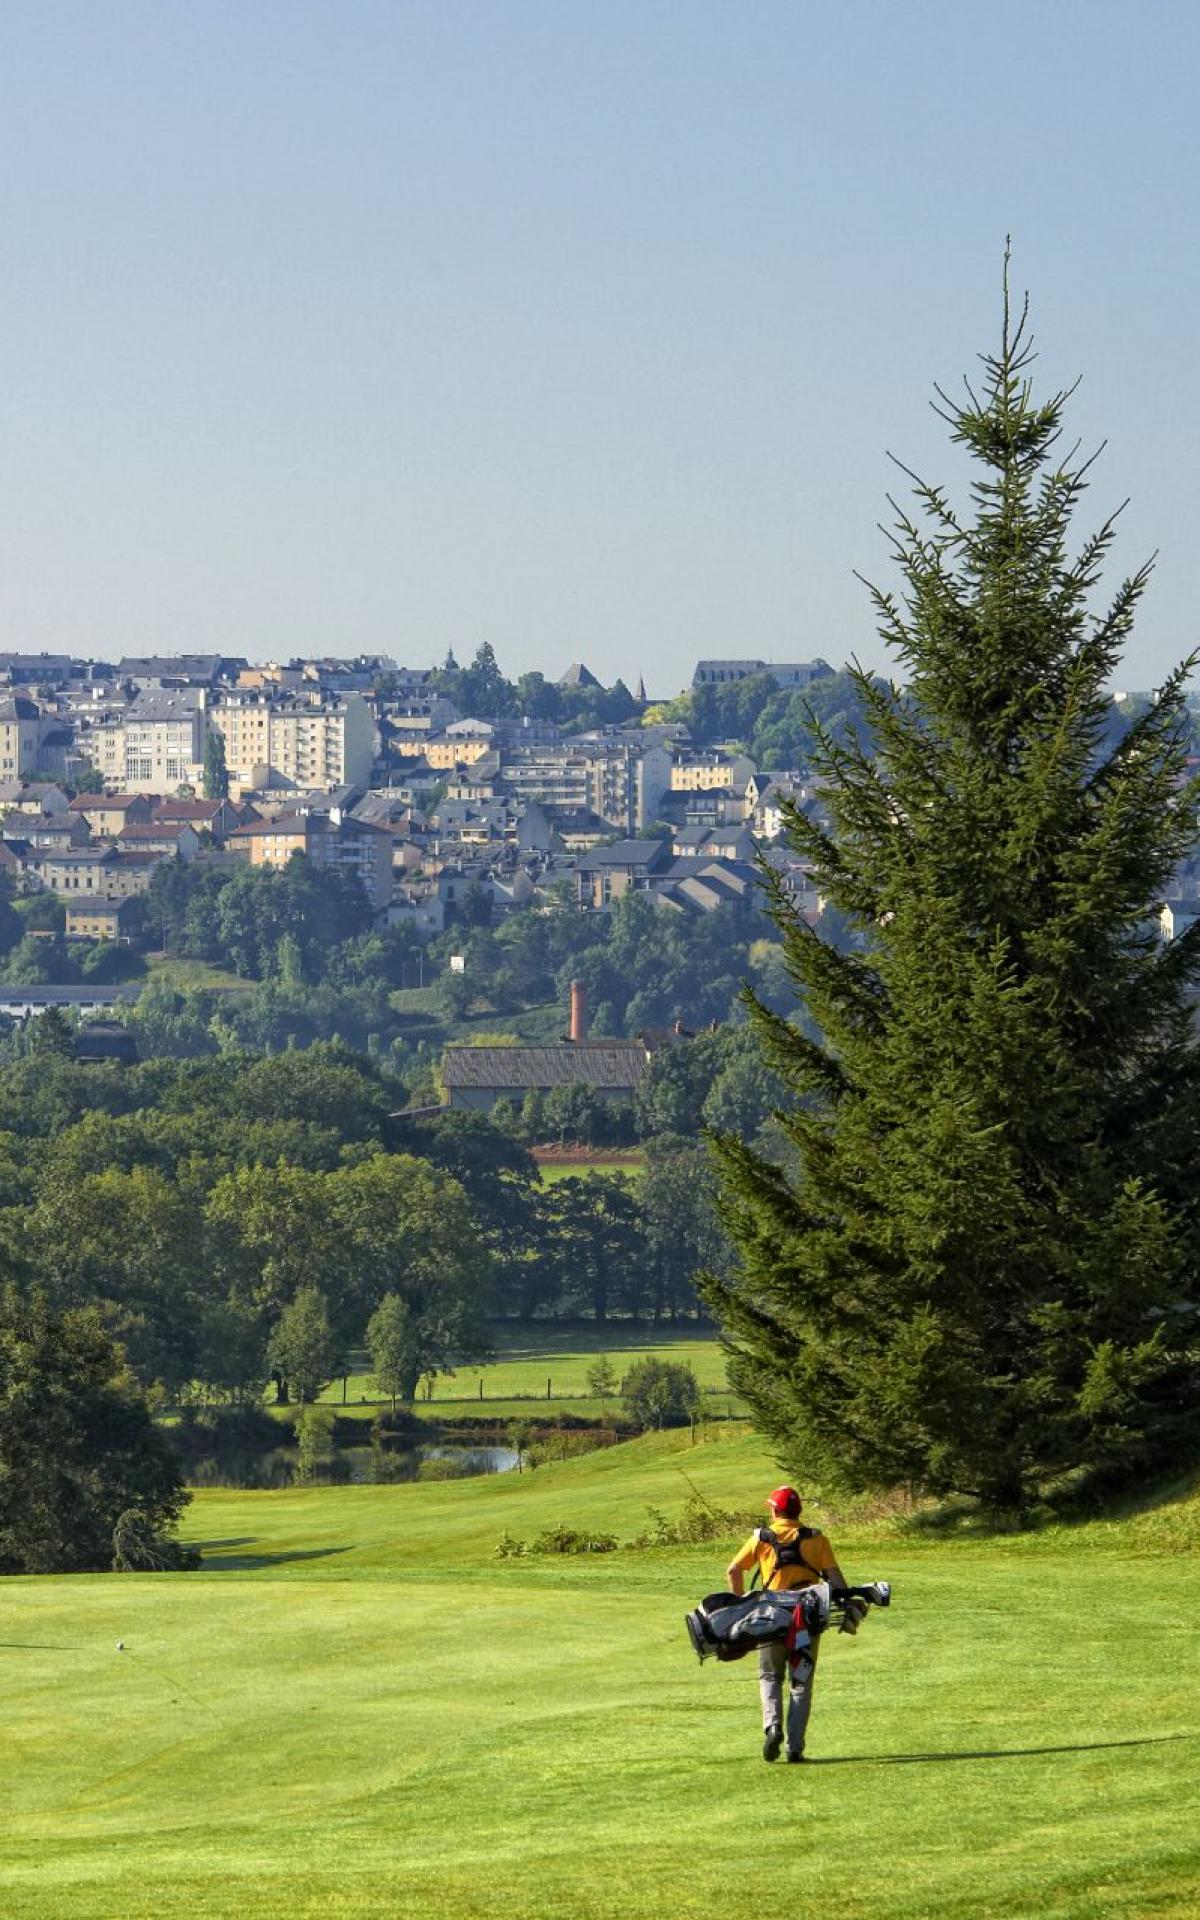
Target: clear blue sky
<point x="582" y="327"/>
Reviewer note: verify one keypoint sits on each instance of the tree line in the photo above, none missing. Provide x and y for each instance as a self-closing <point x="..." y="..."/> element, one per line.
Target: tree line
<point x="193" y="1203"/>
<point x="300" y="938"/>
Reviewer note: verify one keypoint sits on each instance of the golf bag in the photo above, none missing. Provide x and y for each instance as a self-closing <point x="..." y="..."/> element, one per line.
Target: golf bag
<point x="726" y="1626"/>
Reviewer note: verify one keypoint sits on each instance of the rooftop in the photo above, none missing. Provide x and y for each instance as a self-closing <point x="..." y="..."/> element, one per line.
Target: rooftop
<point x="594" y="1063"/>
<point x="110" y="802"/>
<point x="164" y="703"/>
<point x="625" y="853"/>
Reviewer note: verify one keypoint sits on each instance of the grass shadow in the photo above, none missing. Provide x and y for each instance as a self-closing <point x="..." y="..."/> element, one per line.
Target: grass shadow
<point x="241" y="1562"/>
<point x="1073" y="1505"/>
<point x="210" y="1546"/>
<point x="40" y="1646"/>
<point x="992" y="1753"/>
<point x="1080" y="1505"/>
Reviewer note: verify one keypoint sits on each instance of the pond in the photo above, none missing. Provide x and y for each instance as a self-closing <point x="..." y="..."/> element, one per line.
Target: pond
<point x="440" y="1462"/>
<point x="359" y="1466"/>
<point x="474" y="1459"/>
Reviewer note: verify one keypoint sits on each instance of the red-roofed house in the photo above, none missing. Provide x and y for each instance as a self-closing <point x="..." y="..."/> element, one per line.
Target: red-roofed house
<point x="218" y="817"/>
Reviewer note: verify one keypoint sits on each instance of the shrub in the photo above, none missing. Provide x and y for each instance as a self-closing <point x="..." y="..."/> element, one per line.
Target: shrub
<point x="562" y="1444"/>
<point x="138" y="1548"/>
<point x="314" y="1441"/>
<point x="456" y="1467"/>
<point x="559" y="1539"/>
<point x="696" y="1525"/>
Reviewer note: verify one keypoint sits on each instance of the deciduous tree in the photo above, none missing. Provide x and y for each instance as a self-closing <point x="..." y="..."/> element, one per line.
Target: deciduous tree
<point x="394" y="1348"/>
<point x="303" y="1349"/>
<point x="78" y="1447"/>
<point x="660" y="1393"/>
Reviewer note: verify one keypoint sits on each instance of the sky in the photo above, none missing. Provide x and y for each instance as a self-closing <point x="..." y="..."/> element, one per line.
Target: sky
<point x="396" y="325"/>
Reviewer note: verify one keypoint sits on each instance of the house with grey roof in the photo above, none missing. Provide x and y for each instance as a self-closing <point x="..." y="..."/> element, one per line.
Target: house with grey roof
<point x="180" y="669"/>
<point x="735" y="842"/>
<point x="32" y="796"/>
<point x="476" y="1077"/>
<point x="48" y="832"/>
<point x="25" y="668"/>
<point x="607" y="874"/>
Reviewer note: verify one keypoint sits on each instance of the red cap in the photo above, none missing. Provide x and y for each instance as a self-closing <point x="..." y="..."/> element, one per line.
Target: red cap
<point x="786" y="1501"/>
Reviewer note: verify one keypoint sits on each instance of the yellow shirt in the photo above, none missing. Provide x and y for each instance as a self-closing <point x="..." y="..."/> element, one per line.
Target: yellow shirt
<point x="816" y="1550"/>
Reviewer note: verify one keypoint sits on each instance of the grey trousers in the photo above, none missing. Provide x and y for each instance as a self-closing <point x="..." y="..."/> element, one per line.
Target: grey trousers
<point x="772" y="1666"/>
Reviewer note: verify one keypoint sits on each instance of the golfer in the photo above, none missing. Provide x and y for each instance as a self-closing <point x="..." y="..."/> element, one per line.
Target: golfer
<point x="788" y="1555"/>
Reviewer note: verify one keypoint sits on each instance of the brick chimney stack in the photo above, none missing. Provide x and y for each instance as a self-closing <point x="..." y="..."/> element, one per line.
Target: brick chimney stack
<point x="579" y="1011"/>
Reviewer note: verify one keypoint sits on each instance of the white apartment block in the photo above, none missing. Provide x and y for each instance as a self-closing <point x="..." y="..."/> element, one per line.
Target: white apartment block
<point x="295" y="744"/>
<point x="155" y="746"/>
<point x="20" y="738"/>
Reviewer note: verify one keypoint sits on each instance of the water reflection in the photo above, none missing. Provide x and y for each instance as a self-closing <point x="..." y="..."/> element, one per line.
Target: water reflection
<point x="357" y="1466"/>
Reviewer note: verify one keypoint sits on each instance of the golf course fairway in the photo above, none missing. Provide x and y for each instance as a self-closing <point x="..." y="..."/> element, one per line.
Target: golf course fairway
<point x="356" y="1708"/>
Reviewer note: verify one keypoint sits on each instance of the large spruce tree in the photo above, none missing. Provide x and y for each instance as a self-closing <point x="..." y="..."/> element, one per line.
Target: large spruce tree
<point x="981" y="1272"/>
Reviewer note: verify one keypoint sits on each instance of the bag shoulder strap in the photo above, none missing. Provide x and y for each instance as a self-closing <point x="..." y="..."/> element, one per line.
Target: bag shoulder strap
<point x="779" y="1547"/>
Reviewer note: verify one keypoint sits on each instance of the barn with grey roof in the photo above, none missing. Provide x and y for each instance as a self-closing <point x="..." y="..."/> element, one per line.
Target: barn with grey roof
<point x="476" y="1077"/>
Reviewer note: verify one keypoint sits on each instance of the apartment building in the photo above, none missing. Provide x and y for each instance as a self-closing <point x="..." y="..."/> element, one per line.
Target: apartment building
<point x="290" y="742"/>
<point x="179" y="669"/>
<point x="35" y="669"/>
<point x="792" y="676"/>
<point x="72" y="870"/>
<point x="333" y="839"/>
<point x="453" y="748"/>
<point x="618" y="783"/>
<point x="155" y="745"/>
<point x="709" y="772"/>
<point x="609" y="873"/>
<point x="100" y="920"/>
<point x="20" y="738"/>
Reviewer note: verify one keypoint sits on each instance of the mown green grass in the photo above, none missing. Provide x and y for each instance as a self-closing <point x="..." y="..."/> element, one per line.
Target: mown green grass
<point x="354" y="1708"/>
<point x="415" y="999"/>
<point x="575" y="1170"/>
<point x="514" y="1384"/>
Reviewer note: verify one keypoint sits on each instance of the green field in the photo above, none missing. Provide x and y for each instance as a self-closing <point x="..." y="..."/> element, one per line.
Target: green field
<point x="187" y="975"/>
<point x="355" y="1709"/>
<point x="534" y="1026"/>
<point x="632" y="1169"/>
<point x="530" y="1360"/>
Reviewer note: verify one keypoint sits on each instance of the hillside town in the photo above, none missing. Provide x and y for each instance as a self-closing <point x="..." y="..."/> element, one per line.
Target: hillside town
<point x="108" y="770"/>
